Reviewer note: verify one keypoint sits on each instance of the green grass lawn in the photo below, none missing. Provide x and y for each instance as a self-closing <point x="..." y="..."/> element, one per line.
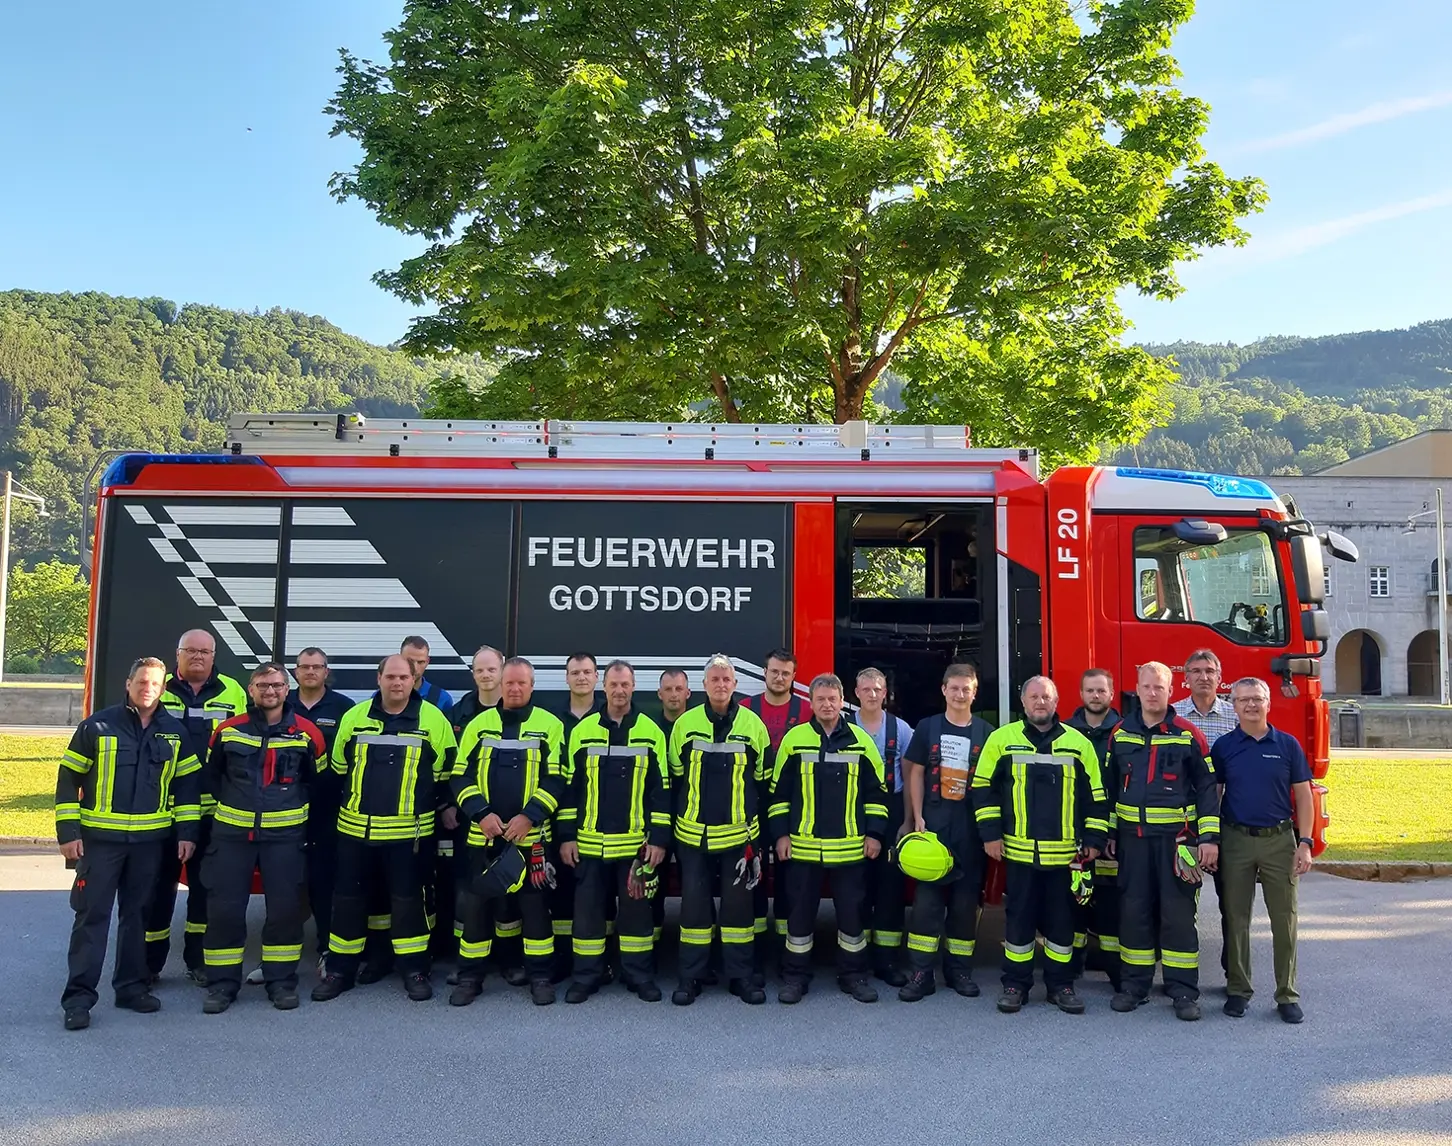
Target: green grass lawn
<point x="27" y="784"/>
<point x="1389" y="810"/>
<point x="1380" y="809"/>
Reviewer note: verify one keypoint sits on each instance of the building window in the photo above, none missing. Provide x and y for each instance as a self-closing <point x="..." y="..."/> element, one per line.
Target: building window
<point x="1260" y="582"/>
<point x="1326" y="573"/>
<point x="1380" y="580"/>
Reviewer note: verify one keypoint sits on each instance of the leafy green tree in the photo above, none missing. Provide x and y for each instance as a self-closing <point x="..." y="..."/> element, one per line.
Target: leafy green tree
<point x="749" y="209"/>
<point x="47" y="611"/>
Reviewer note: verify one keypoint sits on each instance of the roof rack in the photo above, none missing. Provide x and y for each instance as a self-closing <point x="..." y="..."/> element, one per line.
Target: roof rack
<point x="355" y="434"/>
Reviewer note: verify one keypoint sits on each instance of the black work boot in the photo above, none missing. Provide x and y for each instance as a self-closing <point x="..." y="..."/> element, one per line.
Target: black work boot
<point x="143" y="1004"/>
<point x="284" y="998"/>
<point x="419" y="988"/>
<point x="578" y="992"/>
<point x="375" y="971"/>
<point x="685" y="993"/>
<point x="1068" y="1002"/>
<point x="465" y="991"/>
<point x="791" y="991"/>
<point x="1011" y="1001"/>
<point x="890" y="974"/>
<point x="747" y="991"/>
<point x="962" y="982"/>
<point x="858" y="987"/>
<point x="920" y="984"/>
<point x="330" y="986"/>
<point x="217" y="1001"/>
<point x="1125" y="1002"/>
<point x="542" y="992"/>
<point x="77" y="1018"/>
<point x="1187" y="1009"/>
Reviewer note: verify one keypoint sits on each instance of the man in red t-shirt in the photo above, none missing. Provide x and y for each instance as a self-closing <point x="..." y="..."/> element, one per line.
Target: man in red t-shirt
<point x="780" y="709"/>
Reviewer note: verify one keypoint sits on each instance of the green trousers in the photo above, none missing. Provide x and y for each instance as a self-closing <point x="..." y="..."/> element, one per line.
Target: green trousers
<point x="1244" y="859"/>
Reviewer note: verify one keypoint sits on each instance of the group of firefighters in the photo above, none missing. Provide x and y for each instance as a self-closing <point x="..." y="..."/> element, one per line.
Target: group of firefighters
<point x="408" y="823"/>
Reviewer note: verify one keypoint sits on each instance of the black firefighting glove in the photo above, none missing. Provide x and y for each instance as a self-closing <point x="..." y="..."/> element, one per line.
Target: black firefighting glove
<point x="541" y="871"/>
<point x="748" y="868"/>
<point x="643" y="881"/>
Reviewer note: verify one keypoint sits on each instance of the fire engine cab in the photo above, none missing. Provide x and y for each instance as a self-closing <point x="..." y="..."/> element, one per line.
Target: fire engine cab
<point x="901" y="547"/>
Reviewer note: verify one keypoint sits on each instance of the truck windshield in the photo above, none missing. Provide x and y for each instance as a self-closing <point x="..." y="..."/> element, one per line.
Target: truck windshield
<point x="1233" y="587"/>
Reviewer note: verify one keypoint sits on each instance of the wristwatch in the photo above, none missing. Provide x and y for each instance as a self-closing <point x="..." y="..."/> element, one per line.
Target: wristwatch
<point x="1307" y="840"/>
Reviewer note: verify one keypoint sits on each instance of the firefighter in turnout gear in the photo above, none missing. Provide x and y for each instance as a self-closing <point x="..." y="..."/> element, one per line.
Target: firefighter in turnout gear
<point x="827" y="815"/>
<point x="1099" y="918"/>
<point x="127" y="783"/>
<point x="582" y="674"/>
<point x="780" y="709"/>
<point x="259" y="772"/>
<point x="1039" y="799"/>
<point x="1163" y="788"/>
<point x="508" y="783"/>
<point x="938" y="775"/>
<point x="487" y="668"/>
<point x="395" y="753"/>
<point x="615" y="822"/>
<point x="886" y="885"/>
<point x="201" y="698"/>
<point x="718" y="762"/>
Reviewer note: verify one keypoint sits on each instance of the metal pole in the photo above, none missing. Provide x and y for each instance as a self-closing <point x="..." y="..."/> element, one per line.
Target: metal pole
<point x="1442" y="602"/>
<point x="5" y="568"/>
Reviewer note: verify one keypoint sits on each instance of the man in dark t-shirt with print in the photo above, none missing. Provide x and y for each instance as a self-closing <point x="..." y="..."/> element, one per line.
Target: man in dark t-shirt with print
<point x="937" y="773"/>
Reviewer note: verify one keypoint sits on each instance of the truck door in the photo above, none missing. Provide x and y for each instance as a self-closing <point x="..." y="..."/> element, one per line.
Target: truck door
<point x="915" y="589"/>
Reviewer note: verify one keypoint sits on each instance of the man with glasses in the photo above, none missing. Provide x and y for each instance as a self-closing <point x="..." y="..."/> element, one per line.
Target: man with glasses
<point x="1266" y="812"/>
<point x="259" y="772"/>
<point x="201" y="698"/>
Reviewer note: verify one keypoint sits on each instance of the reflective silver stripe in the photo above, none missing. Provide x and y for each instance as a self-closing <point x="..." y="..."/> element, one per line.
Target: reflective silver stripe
<point x="1037" y="758"/>
<point x="617" y="750"/>
<point x="197" y="713"/>
<point x="512" y="745"/>
<point x="406" y="741"/>
<point x="841" y="757"/>
<point x="713" y="746"/>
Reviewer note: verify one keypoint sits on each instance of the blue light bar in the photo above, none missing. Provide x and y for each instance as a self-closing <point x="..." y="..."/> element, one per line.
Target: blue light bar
<point x="125" y="469"/>
<point x="1221" y="485"/>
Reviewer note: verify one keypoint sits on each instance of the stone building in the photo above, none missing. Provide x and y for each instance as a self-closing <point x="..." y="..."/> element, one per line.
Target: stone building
<point x="1383" y="608"/>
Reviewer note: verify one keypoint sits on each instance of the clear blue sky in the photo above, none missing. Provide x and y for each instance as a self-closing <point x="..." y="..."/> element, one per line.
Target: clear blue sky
<point x="130" y="167"/>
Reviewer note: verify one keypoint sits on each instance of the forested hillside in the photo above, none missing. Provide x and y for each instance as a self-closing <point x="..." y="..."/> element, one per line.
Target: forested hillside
<point x="83" y="374"/>
<point x="1296" y="405"/>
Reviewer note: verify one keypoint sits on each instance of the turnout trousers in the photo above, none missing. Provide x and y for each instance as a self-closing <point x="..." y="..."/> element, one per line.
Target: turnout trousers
<point x="322" y="865"/>
<point x="562" y="914"/>
<point x="849" y="893"/>
<point x="489" y="919"/>
<point x="955" y="903"/>
<point x="598" y="884"/>
<point x="111" y="873"/>
<point x="163" y="904"/>
<point x="396" y="868"/>
<point x="1037" y="901"/>
<point x="1156" y="910"/>
<point x="228" y="871"/>
<point x="737" y="918"/>
<point x="887" y="897"/>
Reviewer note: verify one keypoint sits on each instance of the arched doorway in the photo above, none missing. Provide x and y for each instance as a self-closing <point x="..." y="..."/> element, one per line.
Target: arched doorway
<point x="1423" y="664"/>
<point x="1358" y="664"/>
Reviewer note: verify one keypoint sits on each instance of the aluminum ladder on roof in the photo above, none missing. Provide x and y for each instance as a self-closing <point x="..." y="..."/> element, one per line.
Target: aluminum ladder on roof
<point x="353" y="434"/>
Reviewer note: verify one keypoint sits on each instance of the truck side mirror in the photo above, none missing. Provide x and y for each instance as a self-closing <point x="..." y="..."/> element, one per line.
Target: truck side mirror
<point x="1341" y="548"/>
<point x="1309" y="570"/>
<point x="1197" y="531"/>
<point x="1316" y="625"/>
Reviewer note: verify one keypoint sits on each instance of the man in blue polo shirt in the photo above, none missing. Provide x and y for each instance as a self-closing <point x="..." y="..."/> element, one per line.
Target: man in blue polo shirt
<point x="1262" y="772"/>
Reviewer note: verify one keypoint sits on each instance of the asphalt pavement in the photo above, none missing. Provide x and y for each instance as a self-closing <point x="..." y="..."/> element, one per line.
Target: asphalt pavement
<point x="1371" y="1066"/>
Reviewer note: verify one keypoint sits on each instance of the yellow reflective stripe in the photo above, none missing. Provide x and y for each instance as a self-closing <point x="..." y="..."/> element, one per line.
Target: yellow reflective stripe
<point x="236" y="735"/>
<point x="75" y="762"/>
<point x="635" y="943"/>
<point x="925" y="944"/>
<point x="539" y="948"/>
<point x="1066" y="817"/>
<point x="808" y="769"/>
<point x="693" y="788"/>
<point x="410" y="944"/>
<point x="850" y="812"/>
<point x="221" y="956"/>
<point x="355" y="781"/>
<point x="64" y="812"/>
<point x="158" y="936"/>
<point x="1183" y="960"/>
<point x="852" y="943"/>
<point x="276" y="953"/>
<point x="240" y="818"/>
<point x="412" y="756"/>
<point x="340" y="946"/>
<point x="105" y="773"/>
<point x="591" y="822"/>
<point x="1019" y="771"/>
<point x="122" y="822"/>
<point x="588" y="946"/>
<point x="637" y="795"/>
<point x="479" y="950"/>
<point x="738" y="787"/>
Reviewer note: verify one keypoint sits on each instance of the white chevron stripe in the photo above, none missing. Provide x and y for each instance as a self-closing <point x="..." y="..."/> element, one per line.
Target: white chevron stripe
<point x="329" y="551"/>
<point x="320" y="515"/>
<point x="201" y="513"/>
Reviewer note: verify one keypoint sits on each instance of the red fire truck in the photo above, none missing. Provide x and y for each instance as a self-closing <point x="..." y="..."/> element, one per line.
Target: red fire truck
<point x="663" y="544"/>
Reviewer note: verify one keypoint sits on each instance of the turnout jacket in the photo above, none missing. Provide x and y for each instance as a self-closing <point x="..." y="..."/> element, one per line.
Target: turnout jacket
<point x="395" y="769"/>
<point x="201" y="709"/>
<point x="617" y="787"/>
<point x="508" y="763"/>
<point x="1041" y="793"/>
<point x="719" y="772"/>
<point x="121" y="782"/>
<point x="1160" y="779"/>
<point x="828" y="793"/>
<point x="260" y="775"/>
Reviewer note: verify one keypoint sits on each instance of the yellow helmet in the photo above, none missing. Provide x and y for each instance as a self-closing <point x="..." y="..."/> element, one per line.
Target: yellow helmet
<point x="924" y="857"/>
